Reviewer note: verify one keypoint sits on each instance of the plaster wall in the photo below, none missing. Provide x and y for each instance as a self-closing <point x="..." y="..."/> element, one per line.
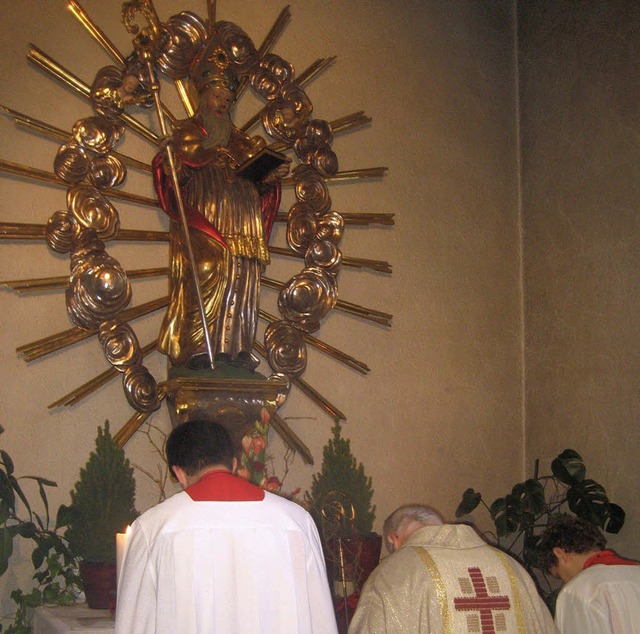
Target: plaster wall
<point x="580" y="89"/>
<point x="442" y="407"/>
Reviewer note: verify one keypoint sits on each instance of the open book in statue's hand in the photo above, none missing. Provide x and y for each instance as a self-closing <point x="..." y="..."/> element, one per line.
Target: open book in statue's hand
<point x="259" y="166"/>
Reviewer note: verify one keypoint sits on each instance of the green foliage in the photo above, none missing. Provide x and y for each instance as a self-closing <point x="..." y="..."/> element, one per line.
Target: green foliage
<point x="341" y="473"/>
<point x="55" y="569"/>
<point x="102" y="502"/>
<point x="521" y="516"/>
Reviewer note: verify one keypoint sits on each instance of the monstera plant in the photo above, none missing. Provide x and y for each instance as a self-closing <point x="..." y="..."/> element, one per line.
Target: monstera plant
<point x="522" y="515"/>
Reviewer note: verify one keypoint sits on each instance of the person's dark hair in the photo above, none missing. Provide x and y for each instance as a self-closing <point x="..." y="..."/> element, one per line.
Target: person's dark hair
<point x="198" y="444"/>
<point x="573" y="535"/>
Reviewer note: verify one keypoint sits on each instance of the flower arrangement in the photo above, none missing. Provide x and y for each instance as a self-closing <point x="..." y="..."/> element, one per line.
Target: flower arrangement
<point x="253" y="464"/>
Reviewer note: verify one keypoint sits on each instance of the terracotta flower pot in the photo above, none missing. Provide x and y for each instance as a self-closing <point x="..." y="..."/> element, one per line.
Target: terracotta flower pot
<point x="100" y="584"/>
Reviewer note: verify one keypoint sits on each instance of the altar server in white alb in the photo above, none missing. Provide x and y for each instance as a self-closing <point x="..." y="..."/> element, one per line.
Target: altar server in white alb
<point x="444" y="579"/>
<point x="222" y="556"/>
<point x="601" y="593"/>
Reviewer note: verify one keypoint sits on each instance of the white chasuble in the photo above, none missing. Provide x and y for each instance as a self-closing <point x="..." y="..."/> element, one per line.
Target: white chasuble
<point x="475" y="598"/>
<point x="447" y="580"/>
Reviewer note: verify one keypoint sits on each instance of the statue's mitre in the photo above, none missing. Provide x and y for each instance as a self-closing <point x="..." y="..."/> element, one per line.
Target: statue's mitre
<point x="213" y="66"/>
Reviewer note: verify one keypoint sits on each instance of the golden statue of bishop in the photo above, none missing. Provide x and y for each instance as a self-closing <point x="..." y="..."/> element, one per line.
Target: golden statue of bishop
<point x="230" y="219"/>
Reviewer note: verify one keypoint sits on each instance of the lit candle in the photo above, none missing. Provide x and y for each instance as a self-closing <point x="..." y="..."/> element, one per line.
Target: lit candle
<point x="121" y="546"/>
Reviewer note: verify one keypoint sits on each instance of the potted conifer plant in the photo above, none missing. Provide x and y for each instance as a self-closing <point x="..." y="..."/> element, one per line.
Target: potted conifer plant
<point x="102" y="505"/>
<point x="340" y="502"/>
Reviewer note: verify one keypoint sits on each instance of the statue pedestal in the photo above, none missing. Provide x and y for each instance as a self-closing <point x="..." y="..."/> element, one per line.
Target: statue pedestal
<point x="235" y="403"/>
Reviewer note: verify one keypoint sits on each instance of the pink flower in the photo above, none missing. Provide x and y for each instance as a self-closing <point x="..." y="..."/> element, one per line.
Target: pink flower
<point x="265" y="416"/>
<point x="271" y="484"/>
<point x="246" y="445"/>
<point x="258" y="444"/>
<point x="243" y="472"/>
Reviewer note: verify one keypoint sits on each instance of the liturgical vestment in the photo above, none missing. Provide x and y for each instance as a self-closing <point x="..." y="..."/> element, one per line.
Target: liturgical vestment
<point x="447" y="580"/>
<point x="224" y="557"/>
<point x="601" y="599"/>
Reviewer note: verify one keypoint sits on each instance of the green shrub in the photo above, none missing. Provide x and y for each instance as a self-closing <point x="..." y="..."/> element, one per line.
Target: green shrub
<point x="341" y="474"/>
<point x="102" y="502"/>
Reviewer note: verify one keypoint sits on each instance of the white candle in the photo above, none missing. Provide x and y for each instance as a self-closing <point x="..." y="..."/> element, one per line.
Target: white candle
<point x="121" y="546"/>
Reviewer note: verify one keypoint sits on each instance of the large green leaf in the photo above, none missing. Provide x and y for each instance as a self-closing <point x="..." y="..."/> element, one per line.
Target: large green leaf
<point x="568" y="467"/>
<point x="39" y="480"/>
<point x="66" y="598"/>
<point x="589" y="501"/>
<point x="615" y="519"/>
<point x="6" y="491"/>
<point x="4" y="511"/>
<point x="37" y="557"/>
<point x="27" y="530"/>
<point x="33" y="599"/>
<point x="531" y="496"/>
<point x="506" y="513"/>
<point x="6" y="549"/>
<point x="42" y="483"/>
<point x="43" y="497"/>
<point x="64" y="517"/>
<point x="53" y="566"/>
<point x="470" y="501"/>
<point x="51" y="593"/>
<point x="16" y="487"/>
<point x="6" y="461"/>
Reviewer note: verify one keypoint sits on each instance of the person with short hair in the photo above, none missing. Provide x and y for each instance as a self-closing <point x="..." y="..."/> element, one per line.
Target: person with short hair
<point x="601" y="592"/>
<point x="223" y="555"/>
<point x="445" y="578"/>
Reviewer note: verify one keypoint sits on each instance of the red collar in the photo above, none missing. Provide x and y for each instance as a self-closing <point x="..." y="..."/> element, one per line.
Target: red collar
<point x="609" y="558"/>
<point x="222" y="486"/>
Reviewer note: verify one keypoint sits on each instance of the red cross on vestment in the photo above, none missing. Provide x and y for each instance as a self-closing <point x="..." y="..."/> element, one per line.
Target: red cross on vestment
<point x="482" y="602"/>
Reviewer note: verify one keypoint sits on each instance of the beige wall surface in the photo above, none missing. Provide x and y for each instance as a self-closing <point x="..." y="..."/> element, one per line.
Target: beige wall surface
<point x="441" y="409"/>
<point x="580" y="90"/>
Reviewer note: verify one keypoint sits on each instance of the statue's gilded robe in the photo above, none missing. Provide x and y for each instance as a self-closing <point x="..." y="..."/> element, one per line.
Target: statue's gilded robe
<point x="230" y="223"/>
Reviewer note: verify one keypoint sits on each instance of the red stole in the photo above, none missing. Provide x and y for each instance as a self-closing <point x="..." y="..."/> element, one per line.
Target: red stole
<point x="223" y="486"/>
<point x="609" y="558"/>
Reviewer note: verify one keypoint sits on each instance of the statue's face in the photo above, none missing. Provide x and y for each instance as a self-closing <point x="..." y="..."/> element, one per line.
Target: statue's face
<point x="218" y="101"/>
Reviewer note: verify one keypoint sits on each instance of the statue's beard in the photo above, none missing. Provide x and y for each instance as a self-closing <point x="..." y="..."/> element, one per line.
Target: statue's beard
<point x="218" y="130"/>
